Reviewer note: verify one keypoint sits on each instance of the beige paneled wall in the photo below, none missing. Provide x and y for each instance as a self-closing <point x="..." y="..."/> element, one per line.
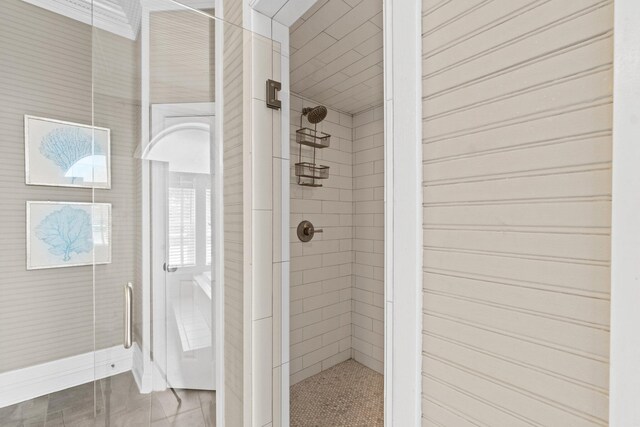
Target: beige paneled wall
<point x="234" y="237"/>
<point x="367" y="315"/>
<point x="182" y="58"/>
<point x="321" y="270"/>
<point x="47" y="71"/>
<point x="116" y="105"/>
<point x="517" y="193"/>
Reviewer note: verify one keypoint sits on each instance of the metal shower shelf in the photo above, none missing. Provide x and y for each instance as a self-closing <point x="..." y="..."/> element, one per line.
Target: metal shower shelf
<point x="311" y="183"/>
<point x="311" y="170"/>
<point x="312" y="138"/>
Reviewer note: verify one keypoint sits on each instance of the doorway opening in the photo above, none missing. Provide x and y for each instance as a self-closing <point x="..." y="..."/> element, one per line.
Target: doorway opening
<point x="181" y="247"/>
<point x="337" y="297"/>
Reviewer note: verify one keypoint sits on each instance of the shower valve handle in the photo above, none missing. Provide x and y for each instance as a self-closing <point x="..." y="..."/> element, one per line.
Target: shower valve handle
<point x="306" y="231"/>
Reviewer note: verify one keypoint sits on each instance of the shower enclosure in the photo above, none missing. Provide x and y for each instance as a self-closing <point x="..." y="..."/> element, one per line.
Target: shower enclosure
<point x="143" y="197"/>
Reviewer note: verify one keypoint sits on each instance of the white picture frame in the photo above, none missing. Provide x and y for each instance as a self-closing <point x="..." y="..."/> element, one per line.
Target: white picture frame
<point x="67" y="234"/>
<point x="66" y="154"/>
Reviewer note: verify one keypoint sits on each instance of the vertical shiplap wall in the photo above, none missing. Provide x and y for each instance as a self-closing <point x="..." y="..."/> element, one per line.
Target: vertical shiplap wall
<point x="517" y="198"/>
<point x="47" y="71"/>
<point x="321" y="270"/>
<point x="367" y="311"/>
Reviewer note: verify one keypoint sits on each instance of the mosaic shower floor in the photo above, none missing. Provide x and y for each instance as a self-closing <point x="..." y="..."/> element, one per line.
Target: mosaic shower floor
<point x="346" y="395"/>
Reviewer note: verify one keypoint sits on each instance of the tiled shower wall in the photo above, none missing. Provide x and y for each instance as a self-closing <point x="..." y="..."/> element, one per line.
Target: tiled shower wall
<point x="321" y="270"/>
<point x="337" y="278"/>
<point x="367" y="314"/>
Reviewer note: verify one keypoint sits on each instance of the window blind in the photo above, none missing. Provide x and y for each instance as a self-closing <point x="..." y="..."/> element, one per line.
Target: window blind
<point x="182" y="227"/>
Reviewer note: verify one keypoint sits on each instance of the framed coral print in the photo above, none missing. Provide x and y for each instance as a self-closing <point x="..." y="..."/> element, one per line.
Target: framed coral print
<point x="65" y="154"/>
<point x="61" y="234"/>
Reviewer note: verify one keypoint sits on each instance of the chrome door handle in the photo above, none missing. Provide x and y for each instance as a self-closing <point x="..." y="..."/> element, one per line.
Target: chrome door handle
<point x="128" y="315"/>
<point x="169" y="269"/>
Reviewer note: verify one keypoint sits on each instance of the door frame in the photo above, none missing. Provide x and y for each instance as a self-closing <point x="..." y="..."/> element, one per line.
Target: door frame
<point x="624" y="375"/>
<point x="402" y="24"/>
<point x="159" y="232"/>
<point x="402" y="21"/>
<point x="147" y="374"/>
<point x="142" y="363"/>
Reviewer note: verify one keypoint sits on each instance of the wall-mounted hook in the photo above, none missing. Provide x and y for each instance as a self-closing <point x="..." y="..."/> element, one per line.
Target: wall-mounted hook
<point x="273" y="87"/>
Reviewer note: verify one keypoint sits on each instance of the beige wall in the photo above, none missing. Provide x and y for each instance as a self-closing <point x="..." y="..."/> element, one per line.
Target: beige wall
<point x="234" y="236"/>
<point x="321" y="270"/>
<point x="47" y="71"/>
<point x="182" y="58"/>
<point x="517" y="192"/>
<point x="116" y="91"/>
<point x="368" y="240"/>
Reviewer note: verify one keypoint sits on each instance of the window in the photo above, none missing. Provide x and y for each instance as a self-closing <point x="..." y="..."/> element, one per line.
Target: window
<point x="100" y="224"/>
<point x="182" y="227"/>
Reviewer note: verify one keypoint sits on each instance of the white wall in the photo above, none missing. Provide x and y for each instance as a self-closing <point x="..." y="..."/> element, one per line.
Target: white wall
<point x="256" y="164"/>
<point x="337" y="279"/>
<point x="368" y="240"/>
<point x="321" y="270"/>
<point x="625" y="239"/>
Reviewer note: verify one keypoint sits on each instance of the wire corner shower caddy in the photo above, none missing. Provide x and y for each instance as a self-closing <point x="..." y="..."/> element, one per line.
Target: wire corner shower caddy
<point x="309" y="172"/>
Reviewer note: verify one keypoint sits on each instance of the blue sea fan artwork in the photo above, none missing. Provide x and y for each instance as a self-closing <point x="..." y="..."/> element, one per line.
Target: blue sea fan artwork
<point x="66" y="231"/>
<point x="67" y="145"/>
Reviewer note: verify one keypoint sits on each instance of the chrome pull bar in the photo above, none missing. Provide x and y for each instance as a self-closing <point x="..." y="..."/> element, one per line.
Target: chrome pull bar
<point x="128" y="315"/>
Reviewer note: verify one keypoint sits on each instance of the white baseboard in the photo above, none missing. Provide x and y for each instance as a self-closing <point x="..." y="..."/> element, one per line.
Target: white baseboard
<point x="39" y="380"/>
<point x="142" y="376"/>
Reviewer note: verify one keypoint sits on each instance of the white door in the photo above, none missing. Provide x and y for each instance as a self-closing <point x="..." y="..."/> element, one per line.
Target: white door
<point x="183" y="295"/>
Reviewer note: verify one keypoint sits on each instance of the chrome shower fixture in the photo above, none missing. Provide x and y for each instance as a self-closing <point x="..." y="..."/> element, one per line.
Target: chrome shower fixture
<point x="315" y="114"/>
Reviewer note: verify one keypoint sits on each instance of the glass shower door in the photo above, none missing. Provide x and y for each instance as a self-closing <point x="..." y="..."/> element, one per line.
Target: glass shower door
<point x="174" y="106"/>
<point x="116" y="92"/>
<point x="46" y="292"/>
<point x="116" y="121"/>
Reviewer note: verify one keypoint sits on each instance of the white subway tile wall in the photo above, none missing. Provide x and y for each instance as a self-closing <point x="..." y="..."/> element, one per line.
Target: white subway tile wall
<point x="337" y="278"/>
<point x="336" y="54"/>
<point x="321" y="270"/>
<point x="367" y="311"/>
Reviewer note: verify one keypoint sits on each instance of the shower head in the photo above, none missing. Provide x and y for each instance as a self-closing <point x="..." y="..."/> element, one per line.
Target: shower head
<point x="315" y="114"/>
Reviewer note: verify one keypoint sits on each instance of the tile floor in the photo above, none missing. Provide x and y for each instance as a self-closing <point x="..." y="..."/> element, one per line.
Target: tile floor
<point x="118" y="403"/>
<point x="346" y="395"/>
